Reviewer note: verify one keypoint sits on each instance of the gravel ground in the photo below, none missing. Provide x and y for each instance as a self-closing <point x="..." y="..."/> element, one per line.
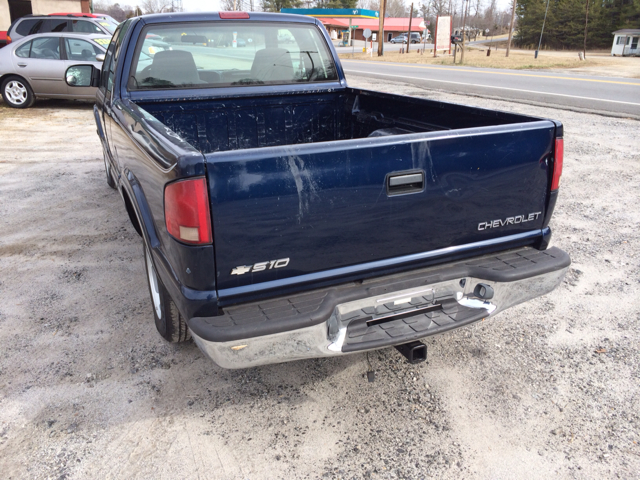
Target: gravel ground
<point x="549" y="389"/>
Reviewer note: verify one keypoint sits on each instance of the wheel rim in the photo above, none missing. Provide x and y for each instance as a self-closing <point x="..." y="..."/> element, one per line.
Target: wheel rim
<point x="153" y="283"/>
<point x="16" y="92"/>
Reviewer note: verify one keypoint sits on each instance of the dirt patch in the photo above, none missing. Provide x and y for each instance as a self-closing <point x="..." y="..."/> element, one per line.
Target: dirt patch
<point x="88" y="389"/>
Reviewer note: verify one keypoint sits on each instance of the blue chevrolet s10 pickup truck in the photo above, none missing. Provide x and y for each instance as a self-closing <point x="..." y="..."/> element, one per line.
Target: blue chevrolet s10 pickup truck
<point x="285" y="215"/>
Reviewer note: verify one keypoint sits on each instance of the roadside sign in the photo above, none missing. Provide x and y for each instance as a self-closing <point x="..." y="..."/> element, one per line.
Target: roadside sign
<point x="354" y="26"/>
<point x="366" y="33"/>
<point x="442" y="37"/>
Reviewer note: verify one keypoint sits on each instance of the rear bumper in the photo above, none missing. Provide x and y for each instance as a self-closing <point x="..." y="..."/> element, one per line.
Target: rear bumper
<point x="378" y="313"/>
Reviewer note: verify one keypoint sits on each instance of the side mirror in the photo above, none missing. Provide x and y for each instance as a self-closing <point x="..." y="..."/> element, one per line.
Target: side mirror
<point x="100" y="57"/>
<point x="82" y="76"/>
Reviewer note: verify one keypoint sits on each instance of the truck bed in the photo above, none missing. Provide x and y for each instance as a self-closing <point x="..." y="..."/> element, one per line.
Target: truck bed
<point x="216" y="125"/>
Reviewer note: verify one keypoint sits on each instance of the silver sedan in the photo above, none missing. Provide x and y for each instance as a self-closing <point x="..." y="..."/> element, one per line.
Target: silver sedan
<point x="35" y="66"/>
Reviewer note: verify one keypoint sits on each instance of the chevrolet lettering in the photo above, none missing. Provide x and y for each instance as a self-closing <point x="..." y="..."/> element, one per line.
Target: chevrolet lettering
<point x="267" y="152"/>
<point x="509" y="221"/>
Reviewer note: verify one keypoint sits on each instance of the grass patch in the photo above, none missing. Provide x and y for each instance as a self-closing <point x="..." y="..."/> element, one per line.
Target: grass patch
<point x="475" y="57"/>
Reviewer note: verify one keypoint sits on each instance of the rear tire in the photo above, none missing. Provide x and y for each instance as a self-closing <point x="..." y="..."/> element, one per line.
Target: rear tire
<point x="170" y="324"/>
<point x="107" y="168"/>
<point x="17" y="93"/>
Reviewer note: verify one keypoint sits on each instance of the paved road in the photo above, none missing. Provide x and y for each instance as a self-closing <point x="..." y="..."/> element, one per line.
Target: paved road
<point x="619" y="96"/>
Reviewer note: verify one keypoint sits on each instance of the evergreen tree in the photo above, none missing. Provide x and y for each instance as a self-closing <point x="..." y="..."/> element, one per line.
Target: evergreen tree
<point x="337" y="4"/>
<point x="564" y="27"/>
<point x="277" y="5"/>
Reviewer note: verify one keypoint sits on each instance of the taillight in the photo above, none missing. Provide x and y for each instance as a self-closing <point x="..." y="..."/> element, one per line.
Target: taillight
<point x="186" y="211"/>
<point x="558" y="157"/>
<point x="9" y="40"/>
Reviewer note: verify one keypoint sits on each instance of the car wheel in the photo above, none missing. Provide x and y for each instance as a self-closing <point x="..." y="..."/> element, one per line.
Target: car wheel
<point x="107" y="168"/>
<point x="170" y="324"/>
<point x="17" y="93"/>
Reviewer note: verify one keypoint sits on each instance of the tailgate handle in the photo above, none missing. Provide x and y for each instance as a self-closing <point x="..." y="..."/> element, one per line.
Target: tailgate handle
<point x="406" y="182"/>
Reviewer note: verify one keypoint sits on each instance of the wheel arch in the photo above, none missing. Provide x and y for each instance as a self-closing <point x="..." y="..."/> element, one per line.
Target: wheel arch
<point x="7" y="75"/>
<point x="133" y="216"/>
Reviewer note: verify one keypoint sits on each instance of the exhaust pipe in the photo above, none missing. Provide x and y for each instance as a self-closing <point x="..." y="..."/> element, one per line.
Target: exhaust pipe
<point x="414" y="352"/>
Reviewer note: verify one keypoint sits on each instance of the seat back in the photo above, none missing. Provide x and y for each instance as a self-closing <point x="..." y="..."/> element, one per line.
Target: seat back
<point x="272" y="64"/>
<point x="175" y="66"/>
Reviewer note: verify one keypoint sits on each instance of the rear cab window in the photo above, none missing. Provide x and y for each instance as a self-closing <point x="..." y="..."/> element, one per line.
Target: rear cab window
<point x="223" y="53"/>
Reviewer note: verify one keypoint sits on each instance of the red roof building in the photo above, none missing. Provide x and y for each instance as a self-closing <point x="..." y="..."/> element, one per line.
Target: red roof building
<point x="392" y="26"/>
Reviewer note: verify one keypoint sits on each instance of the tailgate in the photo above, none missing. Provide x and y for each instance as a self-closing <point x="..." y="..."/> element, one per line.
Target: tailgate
<point x="295" y="212"/>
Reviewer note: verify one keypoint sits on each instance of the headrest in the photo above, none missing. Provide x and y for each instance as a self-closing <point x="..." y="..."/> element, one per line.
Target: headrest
<point x="175" y="66"/>
<point x="272" y="64"/>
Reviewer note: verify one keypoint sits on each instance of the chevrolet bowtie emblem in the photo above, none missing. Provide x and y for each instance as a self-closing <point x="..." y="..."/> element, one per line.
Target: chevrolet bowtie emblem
<point x="241" y="270"/>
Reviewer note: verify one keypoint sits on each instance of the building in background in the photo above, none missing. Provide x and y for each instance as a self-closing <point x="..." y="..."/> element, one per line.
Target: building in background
<point x="13" y="9"/>
<point x="338" y="20"/>
<point x="626" y="42"/>
<point x="392" y="26"/>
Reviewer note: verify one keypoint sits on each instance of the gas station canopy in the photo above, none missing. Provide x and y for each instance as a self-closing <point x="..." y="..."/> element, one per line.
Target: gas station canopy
<point x="333" y="12"/>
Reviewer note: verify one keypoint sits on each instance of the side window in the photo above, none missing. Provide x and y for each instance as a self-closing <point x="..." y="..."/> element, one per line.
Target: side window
<point x="24" y="27"/>
<point x="106" y="80"/>
<point x="82" y="26"/>
<point x="23" y="50"/>
<point x="46" y="48"/>
<point x="111" y="59"/>
<point x="81" y="50"/>
<point x="54" y="25"/>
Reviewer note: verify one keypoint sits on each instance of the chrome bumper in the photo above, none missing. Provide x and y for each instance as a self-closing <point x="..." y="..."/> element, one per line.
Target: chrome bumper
<point x="327" y="339"/>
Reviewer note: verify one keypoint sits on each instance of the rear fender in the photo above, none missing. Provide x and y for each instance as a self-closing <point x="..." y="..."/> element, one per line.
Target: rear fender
<point x="138" y="210"/>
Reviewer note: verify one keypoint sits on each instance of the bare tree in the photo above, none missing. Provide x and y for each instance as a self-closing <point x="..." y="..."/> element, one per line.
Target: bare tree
<point x="156" y="6"/>
<point x="369" y="4"/>
<point x="226" y="5"/>
<point x="115" y="10"/>
<point x="396" y="8"/>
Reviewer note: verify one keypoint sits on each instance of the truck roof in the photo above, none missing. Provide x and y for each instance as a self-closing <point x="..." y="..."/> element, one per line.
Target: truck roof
<point x="214" y="16"/>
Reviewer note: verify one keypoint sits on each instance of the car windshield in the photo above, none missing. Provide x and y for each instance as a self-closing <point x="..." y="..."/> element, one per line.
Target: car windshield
<point x="219" y="54"/>
<point x="102" y="41"/>
<point x="109" y="24"/>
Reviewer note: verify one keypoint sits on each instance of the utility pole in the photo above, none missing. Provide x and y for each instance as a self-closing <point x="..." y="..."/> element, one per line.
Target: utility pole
<point x="586" y="22"/>
<point x="513" y="17"/>
<point x="464" y="19"/>
<point x="542" y="31"/>
<point x="409" y="32"/>
<point x="383" y="5"/>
